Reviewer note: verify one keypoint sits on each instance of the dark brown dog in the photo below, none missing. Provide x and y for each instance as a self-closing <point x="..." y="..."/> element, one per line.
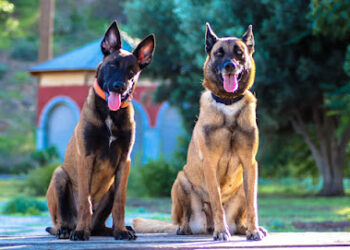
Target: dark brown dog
<point x="217" y="189"/>
<point x="92" y="181"/>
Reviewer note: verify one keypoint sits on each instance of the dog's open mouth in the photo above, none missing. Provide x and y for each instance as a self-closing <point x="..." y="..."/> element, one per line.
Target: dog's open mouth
<point x="114" y="100"/>
<point x="231" y="81"/>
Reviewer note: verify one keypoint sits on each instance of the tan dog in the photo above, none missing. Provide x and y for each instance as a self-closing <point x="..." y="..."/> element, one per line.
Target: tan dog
<point x="217" y="189"/>
<point x="91" y="183"/>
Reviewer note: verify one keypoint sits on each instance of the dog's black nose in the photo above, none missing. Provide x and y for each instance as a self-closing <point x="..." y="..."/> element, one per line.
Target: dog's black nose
<point x="229" y="66"/>
<point x="118" y="87"/>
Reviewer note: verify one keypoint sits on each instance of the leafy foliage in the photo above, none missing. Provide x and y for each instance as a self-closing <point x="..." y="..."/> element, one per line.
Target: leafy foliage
<point x="79" y="22"/>
<point x="299" y="58"/>
<point x="46" y="156"/>
<point x="153" y="178"/>
<point x="14" y="153"/>
<point x="18" y="19"/>
<point x="38" y="177"/>
<point x="159" y="17"/>
<point x="158" y="177"/>
<point x="24" y="205"/>
<point x="25" y="49"/>
<point x="331" y="18"/>
<point x="3" y="70"/>
<point x="286" y="157"/>
<point x="37" y="180"/>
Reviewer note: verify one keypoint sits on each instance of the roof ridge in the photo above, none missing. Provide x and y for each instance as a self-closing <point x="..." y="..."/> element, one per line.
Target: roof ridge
<point x="86" y="57"/>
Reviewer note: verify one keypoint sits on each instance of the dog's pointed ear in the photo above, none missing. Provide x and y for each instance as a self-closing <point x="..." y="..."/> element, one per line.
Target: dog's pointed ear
<point x="210" y="38"/>
<point x="248" y="39"/>
<point x="112" y="40"/>
<point x="144" y="51"/>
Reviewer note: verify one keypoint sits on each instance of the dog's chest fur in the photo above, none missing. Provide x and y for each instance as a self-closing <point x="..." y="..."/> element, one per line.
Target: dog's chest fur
<point x="109" y="138"/>
<point x="225" y="129"/>
<point x="224" y="124"/>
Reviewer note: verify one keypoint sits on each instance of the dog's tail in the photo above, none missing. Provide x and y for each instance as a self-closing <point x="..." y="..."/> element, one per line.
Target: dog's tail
<point x="153" y="226"/>
<point x="51" y="230"/>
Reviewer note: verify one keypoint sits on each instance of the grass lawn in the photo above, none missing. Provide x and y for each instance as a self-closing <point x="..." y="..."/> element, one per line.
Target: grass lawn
<point x="282" y="207"/>
<point x="304" y="213"/>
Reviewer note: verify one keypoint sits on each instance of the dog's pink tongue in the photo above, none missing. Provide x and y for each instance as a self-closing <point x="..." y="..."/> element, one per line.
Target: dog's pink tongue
<point x="230" y="82"/>
<point x="114" y="100"/>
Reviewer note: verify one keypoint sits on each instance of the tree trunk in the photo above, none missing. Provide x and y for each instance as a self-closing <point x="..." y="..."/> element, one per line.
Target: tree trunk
<point x="333" y="185"/>
<point x="328" y="151"/>
<point x="47" y="10"/>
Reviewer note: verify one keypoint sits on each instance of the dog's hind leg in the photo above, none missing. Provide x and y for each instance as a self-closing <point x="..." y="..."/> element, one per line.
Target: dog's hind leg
<point x="181" y="204"/>
<point x="61" y="204"/>
<point x="101" y="214"/>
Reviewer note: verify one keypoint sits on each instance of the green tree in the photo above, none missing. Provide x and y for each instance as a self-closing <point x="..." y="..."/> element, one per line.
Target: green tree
<point x="301" y="83"/>
<point x="79" y="22"/>
<point x="300" y="68"/>
<point x="159" y="17"/>
<point x="18" y="19"/>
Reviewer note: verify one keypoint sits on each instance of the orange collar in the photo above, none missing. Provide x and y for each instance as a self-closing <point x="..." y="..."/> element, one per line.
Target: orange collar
<point x="102" y="94"/>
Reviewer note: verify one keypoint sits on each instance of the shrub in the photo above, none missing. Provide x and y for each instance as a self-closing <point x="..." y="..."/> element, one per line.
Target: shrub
<point x="37" y="180"/>
<point x="3" y="70"/>
<point x="156" y="177"/>
<point x="20" y="78"/>
<point x="46" y="156"/>
<point x="24" y="205"/>
<point x="25" y="50"/>
<point x="23" y="166"/>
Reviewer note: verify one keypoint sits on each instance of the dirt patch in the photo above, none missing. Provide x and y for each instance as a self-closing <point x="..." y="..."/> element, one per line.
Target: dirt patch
<point x="323" y="226"/>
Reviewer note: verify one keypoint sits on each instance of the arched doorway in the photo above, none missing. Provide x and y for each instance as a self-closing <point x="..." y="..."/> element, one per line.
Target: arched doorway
<point x="170" y="128"/>
<point x="57" y="123"/>
<point x="137" y="150"/>
<point x="141" y="119"/>
<point x="60" y="127"/>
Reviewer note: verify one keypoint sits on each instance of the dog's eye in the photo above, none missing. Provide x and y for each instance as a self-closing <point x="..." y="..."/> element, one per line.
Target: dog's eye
<point x="219" y="53"/>
<point x="239" y="52"/>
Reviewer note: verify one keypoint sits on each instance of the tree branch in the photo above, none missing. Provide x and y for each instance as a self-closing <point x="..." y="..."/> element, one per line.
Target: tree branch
<point x="345" y="137"/>
<point x="322" y="133"/>
<point x="300" y="128"/>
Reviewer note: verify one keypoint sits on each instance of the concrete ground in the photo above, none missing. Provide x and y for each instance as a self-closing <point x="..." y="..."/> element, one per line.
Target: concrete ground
<point x="21" y="232"/>
<point x="28" y="232"/>
<point x="171" y="241"/>
<point x="35" y="225"/>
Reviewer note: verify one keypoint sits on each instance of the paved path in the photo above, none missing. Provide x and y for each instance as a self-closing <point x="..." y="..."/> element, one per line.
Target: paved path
<point x="24" y="225"/>
<point x="171" y="241"/>
<point x="35" y="225"/>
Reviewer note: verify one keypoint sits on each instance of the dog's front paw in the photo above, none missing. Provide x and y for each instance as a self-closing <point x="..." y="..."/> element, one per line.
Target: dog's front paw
<point x="127" y="234"/>
<point x="80" y="235"/>
<point x="257" y="234"/>
<point x="63" y="233"/>
<point x="223" y="235"/>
